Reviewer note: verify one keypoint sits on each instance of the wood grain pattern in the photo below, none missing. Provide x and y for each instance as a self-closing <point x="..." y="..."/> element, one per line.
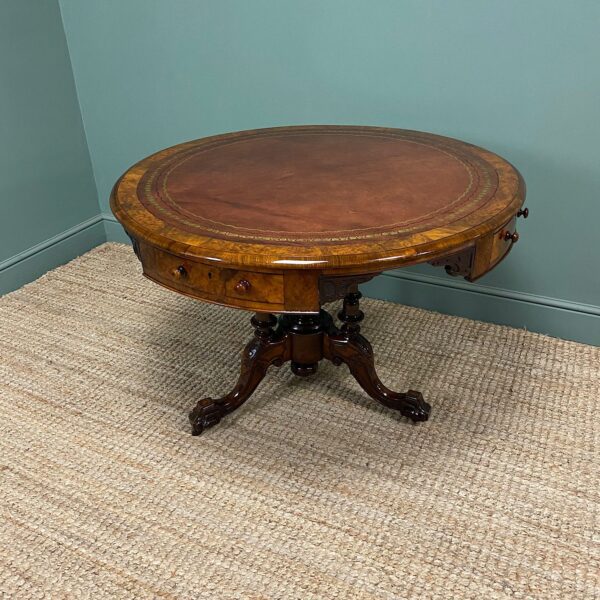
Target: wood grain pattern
<point x="263" y="292"/>
<point x="267" y="220"/>
<point x="453" y="227"/>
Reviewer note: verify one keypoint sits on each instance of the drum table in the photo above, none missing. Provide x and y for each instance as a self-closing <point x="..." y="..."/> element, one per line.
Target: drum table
<point x="283" y="220"/>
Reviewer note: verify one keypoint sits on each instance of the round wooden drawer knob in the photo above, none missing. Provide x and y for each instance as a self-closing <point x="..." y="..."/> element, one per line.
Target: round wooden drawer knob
<point x="511" y="236"/>
<point x="242" y="286"/>
<point x="179" y="272"/>
<point x="523" y="213"/>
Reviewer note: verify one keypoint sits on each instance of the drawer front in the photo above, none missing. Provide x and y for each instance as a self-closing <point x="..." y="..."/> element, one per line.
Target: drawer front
<point x="259" y="287"/>
<point x="503" y="240"/>
<point x="492" y="248"/>
<point x="179" y="273"/>
<point x="244" y="289"/>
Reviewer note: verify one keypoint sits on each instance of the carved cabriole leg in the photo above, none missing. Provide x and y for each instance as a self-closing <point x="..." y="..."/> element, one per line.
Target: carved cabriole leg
<point x="304" y="339"/>
<point x="268" y="347"/>
<point x="350" y="347"/>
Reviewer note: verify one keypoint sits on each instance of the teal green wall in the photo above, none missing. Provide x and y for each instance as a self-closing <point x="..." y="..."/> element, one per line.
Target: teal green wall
<point x="47" y="189"/>
<point x="519" y="78"/>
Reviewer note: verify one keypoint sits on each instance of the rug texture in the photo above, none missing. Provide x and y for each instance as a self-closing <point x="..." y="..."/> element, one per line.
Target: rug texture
<point x="310" y="490"/>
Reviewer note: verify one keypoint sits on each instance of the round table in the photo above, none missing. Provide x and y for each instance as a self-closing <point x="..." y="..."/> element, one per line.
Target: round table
<point x="283" y="220"/>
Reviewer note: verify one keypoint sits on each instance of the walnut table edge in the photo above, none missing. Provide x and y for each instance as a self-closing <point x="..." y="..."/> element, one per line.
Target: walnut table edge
<point x="286" y="280"/>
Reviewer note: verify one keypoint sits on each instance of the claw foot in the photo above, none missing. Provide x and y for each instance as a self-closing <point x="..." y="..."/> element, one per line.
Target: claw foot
<point x="208" y="412"/>
<point x="415" y="407"/>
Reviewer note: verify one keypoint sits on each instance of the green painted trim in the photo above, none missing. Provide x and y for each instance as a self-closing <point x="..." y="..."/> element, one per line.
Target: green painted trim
<point x="461" y="284"/>
<point x="551" y="316"/>
<point x="32" y="263"/>
<point x="113" y="230"/>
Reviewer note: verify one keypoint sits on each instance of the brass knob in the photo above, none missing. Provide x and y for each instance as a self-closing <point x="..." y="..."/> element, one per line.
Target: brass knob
<point x="523" y="213"/>
<point x="179" y="272"/>
<point x="242" y="286"/>
<point x="511" y="236"/>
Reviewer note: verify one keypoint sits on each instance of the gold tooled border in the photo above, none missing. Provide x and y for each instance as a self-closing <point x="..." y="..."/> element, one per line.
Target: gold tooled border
<point x="198" y="224"/>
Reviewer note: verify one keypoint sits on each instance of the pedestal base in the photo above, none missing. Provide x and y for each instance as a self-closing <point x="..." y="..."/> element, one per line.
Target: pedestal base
<point x="305" y="340"/>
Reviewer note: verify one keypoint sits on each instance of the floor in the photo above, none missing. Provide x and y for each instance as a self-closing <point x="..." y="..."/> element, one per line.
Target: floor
<point x="308" y="491"/>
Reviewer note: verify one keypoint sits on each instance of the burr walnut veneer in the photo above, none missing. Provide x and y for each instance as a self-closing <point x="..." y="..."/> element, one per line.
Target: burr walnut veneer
<point x="280" y="221"/>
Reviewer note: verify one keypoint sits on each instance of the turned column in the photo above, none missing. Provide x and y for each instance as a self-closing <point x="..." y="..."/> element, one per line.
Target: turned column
<point x="351" y="315"/>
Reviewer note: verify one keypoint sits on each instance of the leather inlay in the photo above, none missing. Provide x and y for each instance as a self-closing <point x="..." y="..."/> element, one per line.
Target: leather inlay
<point x="362" y="185"/>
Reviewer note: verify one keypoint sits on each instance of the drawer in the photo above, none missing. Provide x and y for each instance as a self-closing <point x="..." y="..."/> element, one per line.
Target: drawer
<point x="180" y="273"/>
<point x="247" y="285"/>
<point x="503" y="239"/>
<point x="492" y="248"/>
<point x="232" y="287"/>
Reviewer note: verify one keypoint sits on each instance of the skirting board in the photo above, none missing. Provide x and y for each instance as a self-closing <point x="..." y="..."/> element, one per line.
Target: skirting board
<point x="32" y="263"/>
<point x="551" y="316"/>
<point x="113" y="230"/>
<point x="557" y="318"/>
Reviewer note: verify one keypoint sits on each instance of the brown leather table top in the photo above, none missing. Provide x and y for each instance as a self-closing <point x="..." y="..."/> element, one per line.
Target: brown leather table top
<point x="285" y="220"/>
<point x="316" y="187"/>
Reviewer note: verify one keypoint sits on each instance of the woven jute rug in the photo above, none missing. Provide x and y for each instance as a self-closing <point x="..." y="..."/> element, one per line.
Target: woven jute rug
<point x="310" y="490"/>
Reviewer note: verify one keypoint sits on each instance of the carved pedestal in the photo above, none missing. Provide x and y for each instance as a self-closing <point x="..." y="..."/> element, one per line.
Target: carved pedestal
<point x="304" y="340"/>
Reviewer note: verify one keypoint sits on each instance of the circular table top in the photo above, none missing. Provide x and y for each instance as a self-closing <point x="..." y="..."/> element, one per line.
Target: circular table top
<point x="317" y="196"/>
